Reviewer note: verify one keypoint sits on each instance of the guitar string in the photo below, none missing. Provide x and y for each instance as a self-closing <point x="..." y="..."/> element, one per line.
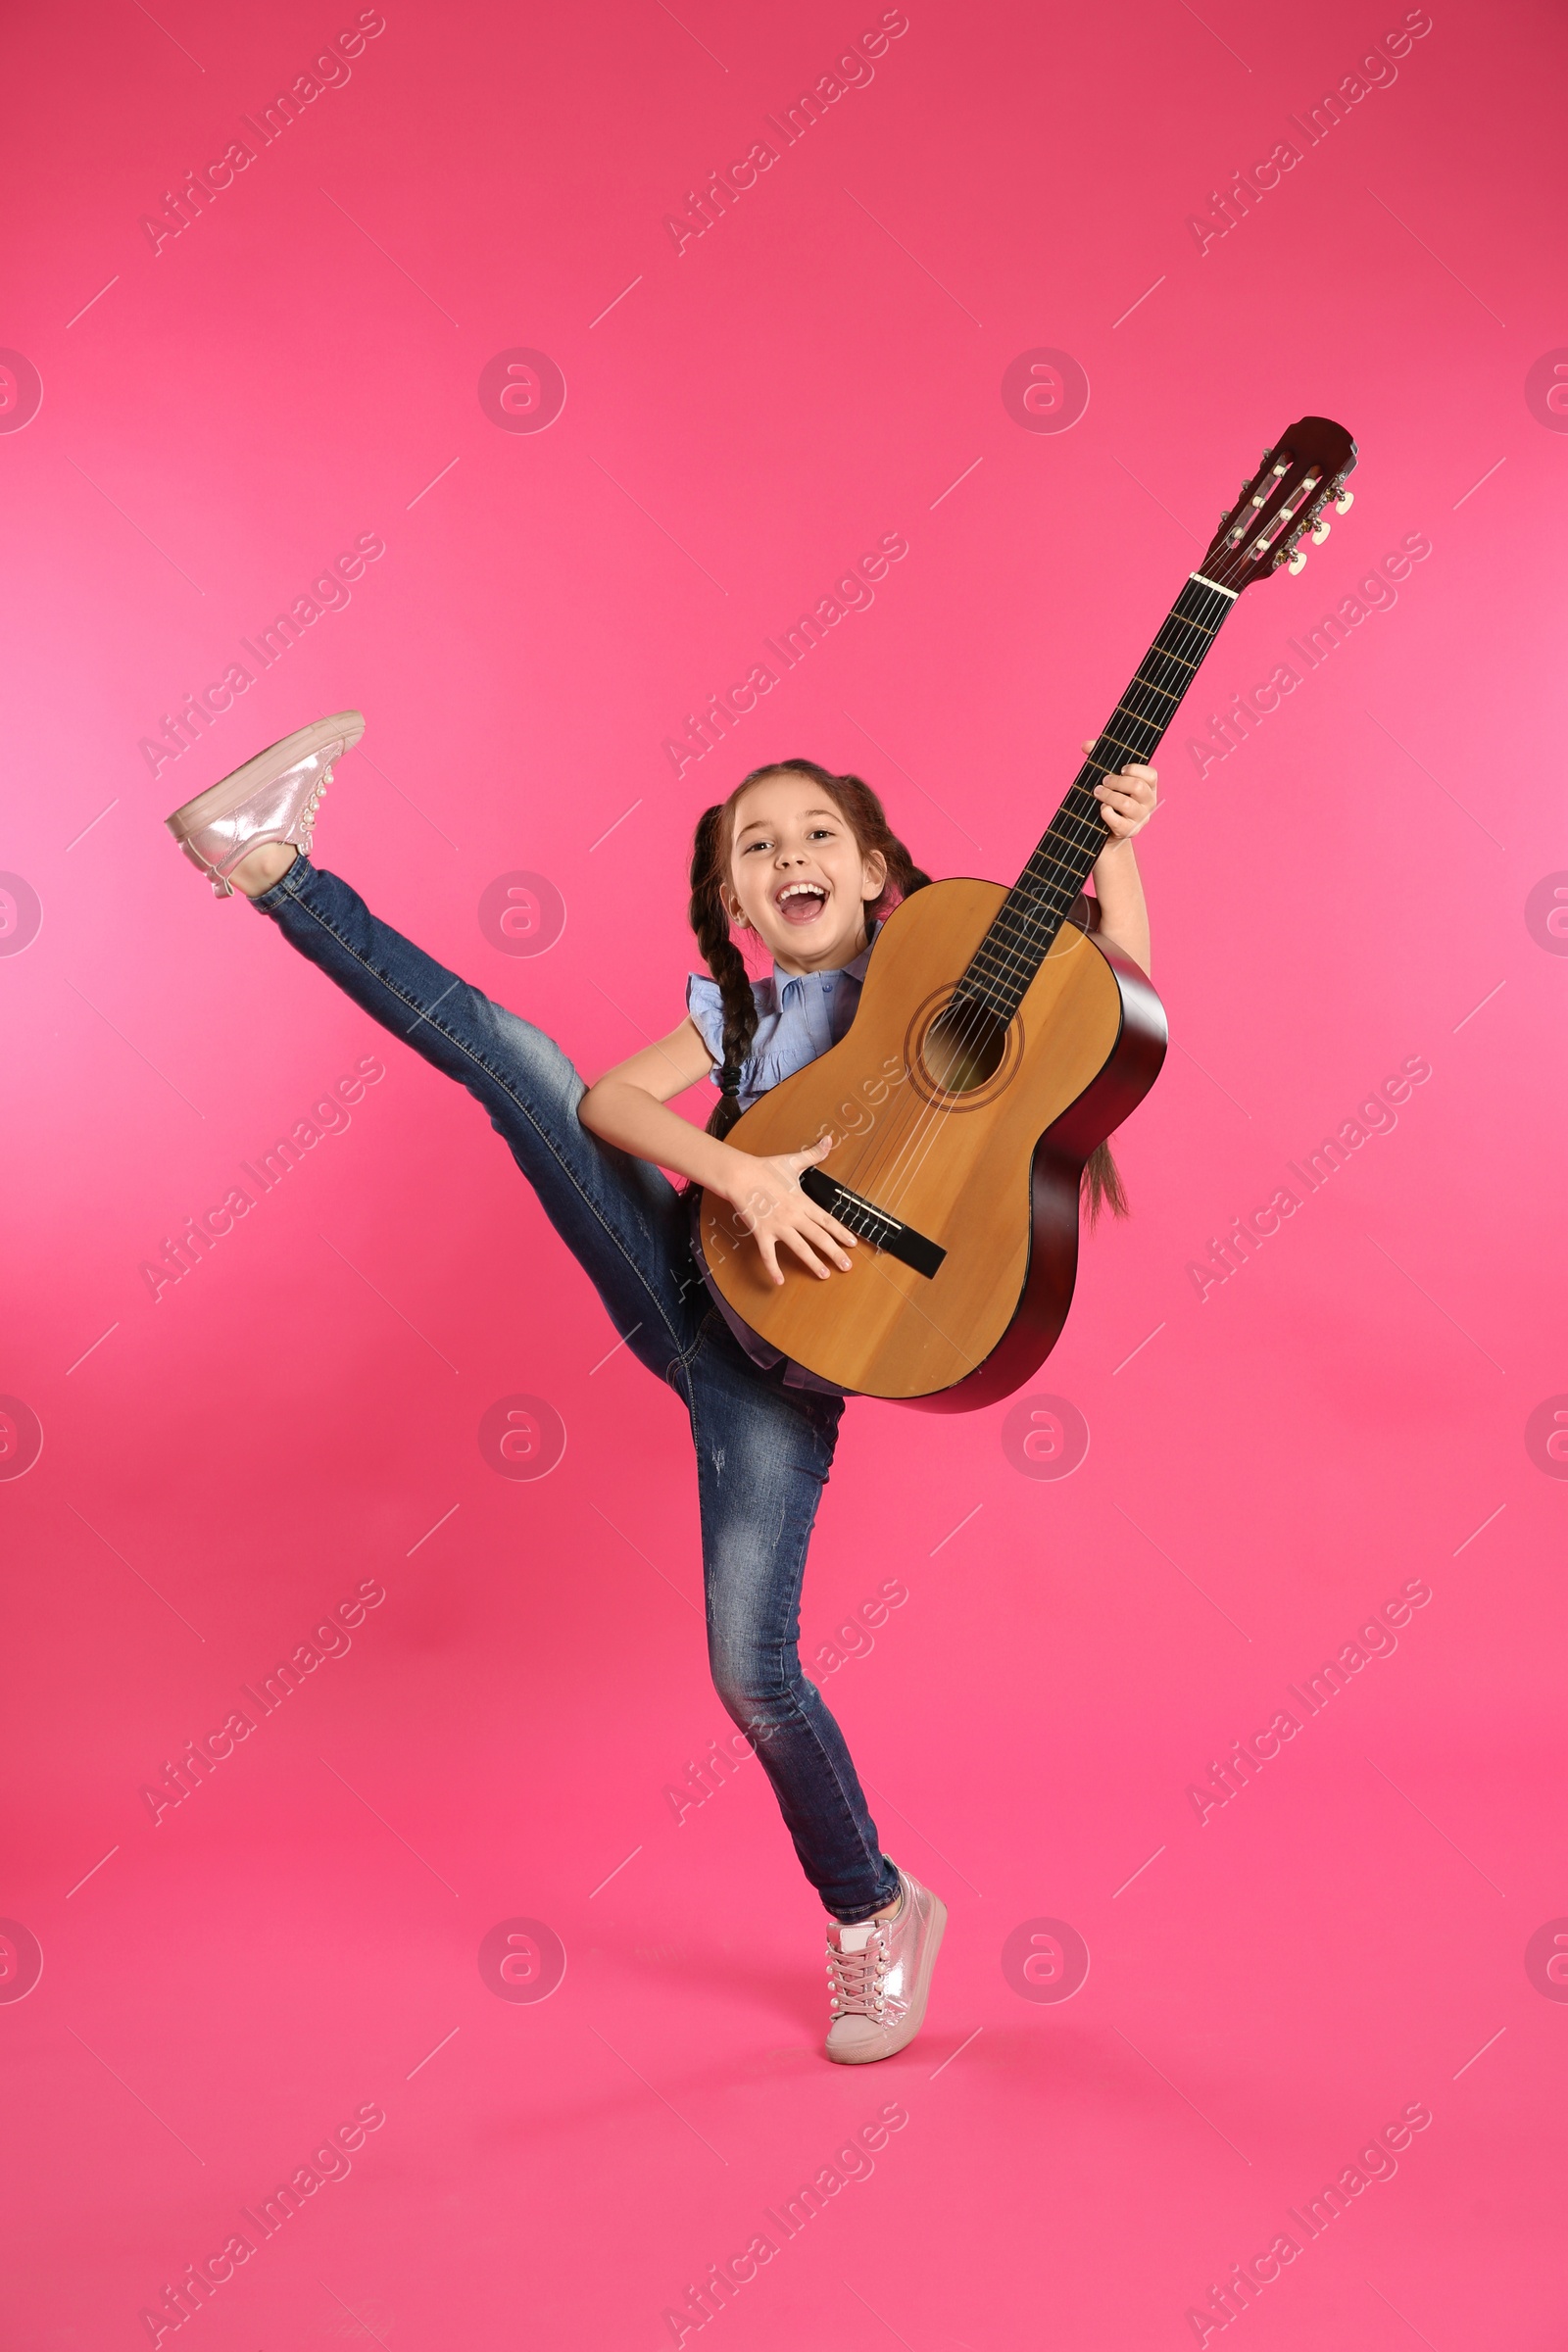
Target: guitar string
<point x="1015" y="955"/>
<point x="1015" y="945"/>
<point x="1236" y="562"/>
<point x="1022" y="958"/>
<point x="1015" y="951"/>
<point x="1025" y="959"/>
<point x="1018" y="955"/>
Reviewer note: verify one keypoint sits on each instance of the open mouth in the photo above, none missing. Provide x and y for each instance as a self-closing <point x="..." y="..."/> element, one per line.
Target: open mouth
<point x="801" y="903"/>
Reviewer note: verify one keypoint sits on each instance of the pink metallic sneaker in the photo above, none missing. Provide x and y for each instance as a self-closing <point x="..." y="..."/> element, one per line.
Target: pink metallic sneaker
<point x="879" y="1976"/>
<point x="271" y="797"/>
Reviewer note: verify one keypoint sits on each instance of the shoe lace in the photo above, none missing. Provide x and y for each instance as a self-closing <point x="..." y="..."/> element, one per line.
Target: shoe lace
<point x="856" y="1980"/>
<point x="307" y="813"/>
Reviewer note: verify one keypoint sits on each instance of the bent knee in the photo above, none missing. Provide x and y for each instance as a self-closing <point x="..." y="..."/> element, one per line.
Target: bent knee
<point x="758" y="1692"/>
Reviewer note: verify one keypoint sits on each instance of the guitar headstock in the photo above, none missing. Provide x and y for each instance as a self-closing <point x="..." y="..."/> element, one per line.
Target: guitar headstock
<point x="1284" y="500"/>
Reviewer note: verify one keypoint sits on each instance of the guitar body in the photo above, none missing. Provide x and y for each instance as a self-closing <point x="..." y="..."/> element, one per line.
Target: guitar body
<point x="975" y="1162"/>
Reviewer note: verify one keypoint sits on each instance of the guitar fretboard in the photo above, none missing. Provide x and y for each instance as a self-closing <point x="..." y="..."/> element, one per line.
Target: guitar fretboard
<point x="1032" y="912"/>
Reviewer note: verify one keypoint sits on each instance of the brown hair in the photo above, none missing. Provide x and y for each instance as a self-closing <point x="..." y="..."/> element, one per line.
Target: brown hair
<point x="867" y="821"/>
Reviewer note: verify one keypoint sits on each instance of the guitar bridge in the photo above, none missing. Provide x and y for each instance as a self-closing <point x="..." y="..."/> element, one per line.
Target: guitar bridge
<point x="873" y="1224"/>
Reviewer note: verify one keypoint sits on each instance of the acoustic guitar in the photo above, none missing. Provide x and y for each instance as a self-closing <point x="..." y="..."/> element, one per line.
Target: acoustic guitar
<point x="996" y="1042"/>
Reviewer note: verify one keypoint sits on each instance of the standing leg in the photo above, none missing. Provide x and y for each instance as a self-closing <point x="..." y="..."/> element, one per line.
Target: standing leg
<point x="763" y="1453"/>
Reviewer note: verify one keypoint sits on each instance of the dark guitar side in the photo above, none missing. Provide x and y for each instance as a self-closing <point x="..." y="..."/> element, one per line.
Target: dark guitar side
<point x="1055" y="1180"/>
<point x="1000" y="1195"/>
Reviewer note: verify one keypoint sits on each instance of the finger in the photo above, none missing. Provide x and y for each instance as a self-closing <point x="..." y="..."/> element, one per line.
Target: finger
<point x="823" y="1232"/>
<point x="815" y="1219"/>
<point x="769" y="1255"/>
<point x="798" y="1242"/>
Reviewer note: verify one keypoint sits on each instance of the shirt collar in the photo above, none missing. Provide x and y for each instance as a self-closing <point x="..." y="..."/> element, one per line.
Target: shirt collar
<point x="850" y="971"/>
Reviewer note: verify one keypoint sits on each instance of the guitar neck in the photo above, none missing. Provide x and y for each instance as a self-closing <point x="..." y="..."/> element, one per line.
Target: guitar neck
<point x="1032" y="913"/>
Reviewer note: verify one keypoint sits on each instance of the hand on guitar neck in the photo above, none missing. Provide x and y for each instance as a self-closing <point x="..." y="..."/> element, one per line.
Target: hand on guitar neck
<point x="1126" y="803"/>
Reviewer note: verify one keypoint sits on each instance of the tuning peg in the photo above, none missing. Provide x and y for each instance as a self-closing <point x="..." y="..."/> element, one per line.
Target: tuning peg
<point x="1298" y="562"/>
<point x="1321" y="531"/>
<point x="1345" y="502"/>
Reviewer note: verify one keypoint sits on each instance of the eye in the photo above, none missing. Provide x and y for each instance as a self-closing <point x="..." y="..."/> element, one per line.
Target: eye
<point x="756" y="845"/>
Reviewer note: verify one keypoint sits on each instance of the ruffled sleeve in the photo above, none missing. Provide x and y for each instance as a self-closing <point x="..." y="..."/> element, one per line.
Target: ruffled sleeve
<point x="704" y="1002"/>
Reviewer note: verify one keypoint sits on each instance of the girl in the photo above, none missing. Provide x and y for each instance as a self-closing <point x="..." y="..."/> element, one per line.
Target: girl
<point x="805" y="864"/>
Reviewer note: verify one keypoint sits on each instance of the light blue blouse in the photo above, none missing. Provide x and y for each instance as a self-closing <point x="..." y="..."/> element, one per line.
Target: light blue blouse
<point x="798" y="1015"/>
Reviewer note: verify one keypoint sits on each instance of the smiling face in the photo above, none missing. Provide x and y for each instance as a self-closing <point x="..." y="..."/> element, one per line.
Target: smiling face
<point x="797" y="875"/>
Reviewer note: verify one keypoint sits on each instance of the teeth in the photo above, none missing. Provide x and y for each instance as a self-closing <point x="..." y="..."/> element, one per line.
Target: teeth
<point x="795" y="890"/>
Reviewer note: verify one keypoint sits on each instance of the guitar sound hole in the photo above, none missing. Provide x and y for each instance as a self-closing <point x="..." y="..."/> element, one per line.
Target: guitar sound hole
<point x="963" y="1047"/>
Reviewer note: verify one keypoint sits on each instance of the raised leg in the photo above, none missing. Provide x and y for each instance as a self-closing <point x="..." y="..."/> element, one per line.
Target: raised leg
<point x="620" y="1218"/>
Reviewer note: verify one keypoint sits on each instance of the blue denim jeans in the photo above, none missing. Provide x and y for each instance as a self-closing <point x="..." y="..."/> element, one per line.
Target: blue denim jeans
<point x="764" y="1451"/>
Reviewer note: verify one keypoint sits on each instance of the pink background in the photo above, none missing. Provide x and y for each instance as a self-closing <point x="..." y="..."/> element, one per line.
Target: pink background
<point x="1267" y="1988"/>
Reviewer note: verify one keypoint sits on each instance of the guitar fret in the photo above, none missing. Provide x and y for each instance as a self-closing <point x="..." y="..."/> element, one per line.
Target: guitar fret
<point x="1041" y="853"/>
<point x="1032" y="912"/>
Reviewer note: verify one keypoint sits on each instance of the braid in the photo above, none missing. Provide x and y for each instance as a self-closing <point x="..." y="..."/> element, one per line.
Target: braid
<point x="723" y="959"/>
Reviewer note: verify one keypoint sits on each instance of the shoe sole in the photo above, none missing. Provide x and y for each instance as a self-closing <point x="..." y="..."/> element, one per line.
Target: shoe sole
<point x="915" y="2017"/>
<point x="346" y="728"/>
